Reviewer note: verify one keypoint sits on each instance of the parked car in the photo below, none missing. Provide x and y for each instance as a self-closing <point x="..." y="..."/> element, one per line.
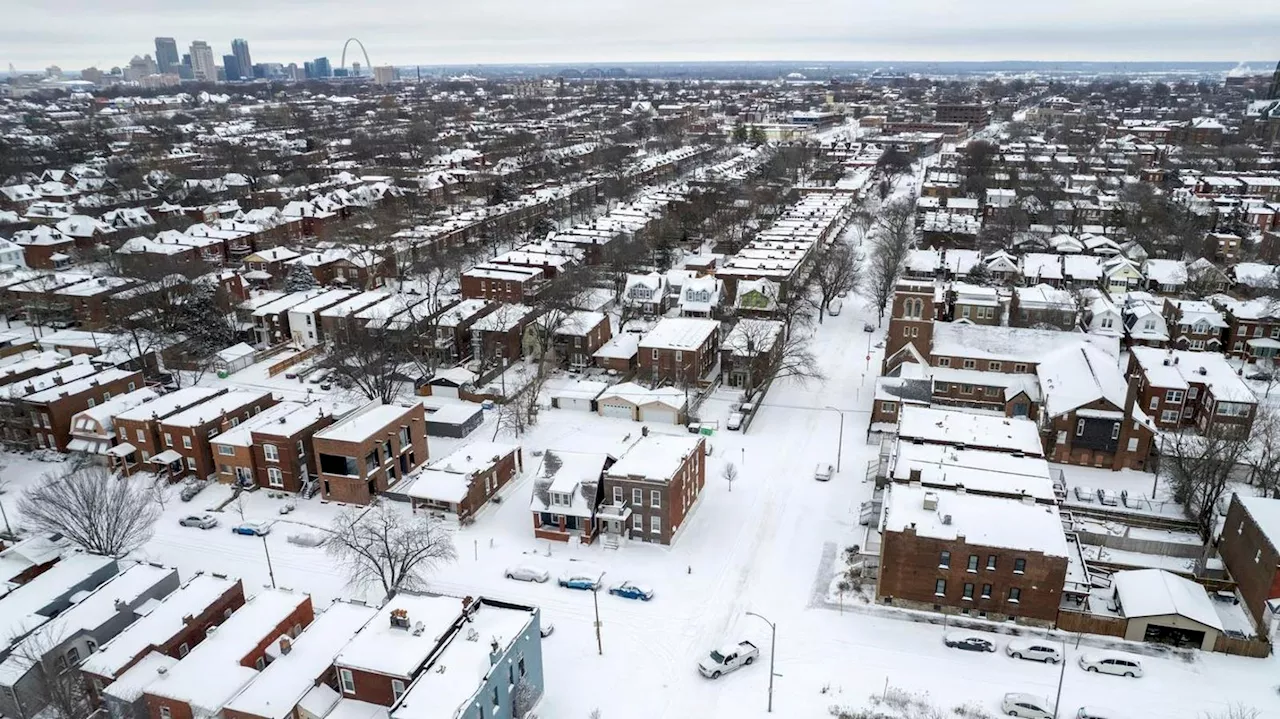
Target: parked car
<point x="968" y="642"/>
<point x="1034" y="650"/>
<point x="1083" y="494"/>
<point x="252" y="529"/>
<point x="191" y="489"/>
<point x="579" y="582"/>
<point x="728" y="659"/>
<point x="834" y="308"/>
<point x="823" y="472"/>
<point x="526" y="573"/>
<point x="1096" y="713"/>
<point x="547" y="629"/>
<point x="1111" y="664"/>
<point x="203" y="521"/>
<point x="735" y="421"/>
<point x="630" y="590"/>
<point x="1028" y="706"/>
<point x="1107" y="497"/>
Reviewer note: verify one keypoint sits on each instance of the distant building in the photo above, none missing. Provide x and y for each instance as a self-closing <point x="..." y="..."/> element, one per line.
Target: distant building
<point x="167" y="55"/>
<point x="244" y="63"/>
<point x="202" y="65"/>
<point x="384" y="75"/>
<point x="230" y="68"/>
<point x="319" y="68"/>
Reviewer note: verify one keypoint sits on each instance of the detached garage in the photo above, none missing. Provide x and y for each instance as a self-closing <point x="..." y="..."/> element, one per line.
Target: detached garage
<point x="665" y="405"/>
<point x="579" y="395"/>
<point x="1164" y="608"/>
<point x="447" y="382"/>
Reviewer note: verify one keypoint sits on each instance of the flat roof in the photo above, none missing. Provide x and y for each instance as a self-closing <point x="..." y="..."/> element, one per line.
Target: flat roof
<point x="657" y="456"/>
<point x="215" y="407"/>
<point x="19" y="608"/>
<point x="168" y="404"/>
<point x="360" y="425"/>
<point x="382" y="648"/>
<point x="679" y="333"/>
<point x="941" y="426"/>
<point x="976" y="470"/>
<point x="982" y="520"/>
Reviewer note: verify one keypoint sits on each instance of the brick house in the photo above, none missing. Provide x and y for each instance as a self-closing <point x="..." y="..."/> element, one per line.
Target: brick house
<point x="653" y="487"/>
<point x="498" y="336"/>
<point x="750" y="351"/>
<point x="1011" y="394"/>
<point x="51" y="409"/>
<point x="679" y="350"/>
<point x="512" y="284"/>
<point x="573" y="493"/>
<point x="172" y="628"/>
<point x="370" y="450"/>
<point x="973" y="303"/>
<point x="1178" y="388"/>
<point x="966" y="553"/>
<point x="187" y="434"/>
<point x="140" y="426"/>
<point x="1042" y="306"/>
<point x="576" y="338"/>
<point x="1090" y="412"/>
<point x="463" y="482"/>
<point x="188" y="689"/>
<point x="452" y="340"/>
<point x="272" y="449"/>
<point x="269" y="267"/>
<point x="1250" y="547"/>
<point x="1253" y="328"/>
<point x="1194" y="325"/>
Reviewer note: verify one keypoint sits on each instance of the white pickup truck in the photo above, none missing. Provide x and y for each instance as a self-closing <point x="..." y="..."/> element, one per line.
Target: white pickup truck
<point x="727" y="659"/>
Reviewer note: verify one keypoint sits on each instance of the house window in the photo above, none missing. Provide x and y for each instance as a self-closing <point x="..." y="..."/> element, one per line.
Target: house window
<point x="275" y="477"/>
<point x="940" y="588"/>
<point x="1015" y="594"/>
<point x="1173" y="396"/>
<point x="1080" y="428"/>
<point x="497" y="701"/>
<point x="1133" y="444"/>
<point x="168" y="439"/>
<point x="1192" y="392"/>
<point x="1257" y="557"/>
<point x="944" y="361"/>
<point x="973" y="563"/>
<point x="617" y="495"/>
<point x="655" y="499"/>
<point x="91" y="402"/>
<point x="397" y="690"/>
<point x="183" y="650"/>
<point x="226" y="450"/>
<point x="139" y="435"/>
<point x="966" y="389"/>
<point x="186" y="442"/>
<point x="970" y="364"/>
<point x="991" y="562"/>
<point x="260" y="663"/>
<point x="271" y="453"/>
<point x="520" y="664"/>
<point x="191" y="463"/>
<point x="1019" y="566"/>
<point x="1115" y="431"/>
<point x="165" y="713"/>
<point x="944" y="561"/>
<point x="637" y="523"/>
<point x="655" y="524"/>
<point x="655" y="355"/>
<point x="1155" y="402"/>
<point x="993" y="366"/>
<point x="637" y="497"/>
<point x="888" y="407"/>
<point x="1169" y="415"/>
<point x="348" y="681"/>
<point x="968" y="592"/>
<point x="986" y="591"/>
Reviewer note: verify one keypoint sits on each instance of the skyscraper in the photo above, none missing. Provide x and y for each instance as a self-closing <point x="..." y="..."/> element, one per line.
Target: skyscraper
<point x="166" y="54"/>
<point x="202" y="67"/>
<point x="1274" y="92"/>
<point x="231" y="68"/>
<point x="240" y="48"/>
<point x="322" y="67"/>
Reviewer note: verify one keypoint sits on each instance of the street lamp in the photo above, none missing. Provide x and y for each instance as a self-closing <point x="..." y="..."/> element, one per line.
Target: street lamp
<point x="773" y="643"/>
<point x="840" y="442"/>
<point x="595" y="599"/>
<point x="1062" y="674"/>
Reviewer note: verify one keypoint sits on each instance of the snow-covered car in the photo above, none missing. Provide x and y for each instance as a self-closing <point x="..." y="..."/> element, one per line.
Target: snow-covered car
<point x="823" y="472"/>
<point x="252" y="529"/>
<point x="1096" y="713"/>
<point x="834" y="308"/>
<point x="723" y="661"/>
<point x="191" y="489"/>
<point x="546" y="629"/>
<point x="968" y="642"/>
<point x="1033" y="649"/>
<point x="526" y="573"/>
<point x="631" y="590"/>
<point x="1027" y="706"/>
<point x="1107" y="497"/>
<point x="590" y="584"/>
<point x="1121" y="666"/>
<point x="735" y="421"/>
<point x="203" y="521"/>
<point x="1084" y="494"/>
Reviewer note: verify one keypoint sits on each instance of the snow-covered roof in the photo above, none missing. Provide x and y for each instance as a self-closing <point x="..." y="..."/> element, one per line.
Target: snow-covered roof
<point x="360" y="425"/>
<point x="1157" y="593"/>
<point x="168" y="404"/>
<point x="1178" y="369"/>
<point x="655" y="457"/>
<point x="752" y="336"/>
<point x="982" y="520"/>
<point x="576" y="470"/>
<point x="503" y="319"/>
<point x="943" y="426"/>
<point x="277" y="689"/>
<point x="624" y="345"/>
<point x="449" y="478"/>
<point x="977" y="470"/>
<point x="1076" y="376"/>
<point x="130" y="685"/>
<point x="214" y="408"/>
<point x="159" y="625"/>
<point x="19" y="609"/>
<point x="952" y="339"/>
<point x="383" y="648"/>
<point x="640" y="395"/>
<point x="679" y="333"/>
<point x="1266" y="514"/>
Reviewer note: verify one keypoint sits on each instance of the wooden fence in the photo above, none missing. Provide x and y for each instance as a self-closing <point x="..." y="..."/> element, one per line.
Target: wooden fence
<point x="1256" y="648"/>
<point x="292" y="360"/>
<point x="1091" y="623"/>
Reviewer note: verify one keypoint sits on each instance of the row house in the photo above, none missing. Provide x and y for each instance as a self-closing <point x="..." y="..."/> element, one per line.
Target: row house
<point x="268" y="267"/>
<point x="138" y="429"/>
<point x="337" y="320"/>
<point x="1042" y="306"/>
<point x="925" y="425"/>
<point x="1090" y="415"/>
<point x="497" y="337"/>
<point x="1194" y="325"/>
<point x="305" y="328"/>
<point x="679" y="350"/>
<point x="972" y="303"/>
<point x="370" y="450"/>
<point x="50" y="410"/>
<point x="1250" y="547"/>
<point x="172" y="627"/>
<point x="44" y="248"/>
<point x="93" y="430"/>
<point x="513" y="284"/>
<point x="1182" y="389"/>
<point x="272" y="449"/>
<point x="1253" y="328"/>
<point x="463" y="482"/>
<point x="201" y="683"/>
<point x="451" y="342"/>
<point x="549" y="260"/>
<point x="1008" y="393"/>
<point x="567" y="495"/>
<point x="751" y="352"/>
<point x="362" y="268"/>
<point x="185" y="436"/>
<point x="271" y="318"/>
<point x="574" y="336"/>
<point x="653" y="487"/>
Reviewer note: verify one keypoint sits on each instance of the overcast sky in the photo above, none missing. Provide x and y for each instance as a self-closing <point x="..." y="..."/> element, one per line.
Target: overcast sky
<point x="78" y="33"/>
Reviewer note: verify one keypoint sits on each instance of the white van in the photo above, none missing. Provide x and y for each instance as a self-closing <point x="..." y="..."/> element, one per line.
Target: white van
<point x="1111" y="664"/>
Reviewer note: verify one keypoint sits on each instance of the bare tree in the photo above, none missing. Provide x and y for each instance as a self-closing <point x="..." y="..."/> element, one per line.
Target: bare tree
<point x="1200" y="467"/>
<point x="892" y="166"/>
<point x="769" y="350"/>
<point x="383" y="545"/>
<point x="59" y="690"/>
<point x="1235" y="711"/>
<point x="892" y="239"/>
<point x="838" y="272"/>
<point x="524" y="698"/>
<point x="1263" y="456"/>
<point x="95" y="510"/>
<point x="730" y="474"/>
<point x="372" y="360"/>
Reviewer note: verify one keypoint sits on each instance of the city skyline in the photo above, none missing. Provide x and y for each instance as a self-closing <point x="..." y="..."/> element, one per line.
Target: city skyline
<point x="499" y="32"/>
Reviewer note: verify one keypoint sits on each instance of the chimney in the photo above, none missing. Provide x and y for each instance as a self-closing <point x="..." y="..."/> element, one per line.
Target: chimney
<point x="286" y="645"/>
<point x="931" y="501"/>
<point x="188" y="619"/>
<point x="495" y="651"/>
<point x="400" y="618"/>
<point x="946" y="519"/>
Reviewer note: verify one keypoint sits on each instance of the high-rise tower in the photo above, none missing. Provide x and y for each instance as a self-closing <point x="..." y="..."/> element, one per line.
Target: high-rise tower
<point x="166" y="55"/>
<point x="240" y="48"/>
<point x="202" y="65"/>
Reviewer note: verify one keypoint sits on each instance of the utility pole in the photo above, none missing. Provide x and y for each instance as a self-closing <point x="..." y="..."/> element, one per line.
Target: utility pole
<point x="270" y="572"/>
<point x="840" y="442"/>
<point x="773" y="645"/>
<point x="595" y="600"/>
<point x="1062" y="674"/>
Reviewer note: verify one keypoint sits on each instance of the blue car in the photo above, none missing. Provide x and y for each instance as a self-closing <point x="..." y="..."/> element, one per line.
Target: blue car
<point x="252" y="529"/>
<point x="627" y="590"/>
<point x="578" y="582"/>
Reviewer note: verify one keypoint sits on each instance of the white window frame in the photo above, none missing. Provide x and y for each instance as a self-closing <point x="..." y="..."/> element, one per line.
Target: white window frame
<point x="347" y="681"/>
<point x="655" y="524"/>
<point x="271" y="452"/>
<point x="275" y="477"/>
<point x="655" y="499"/>
<point x="617" y="495"/>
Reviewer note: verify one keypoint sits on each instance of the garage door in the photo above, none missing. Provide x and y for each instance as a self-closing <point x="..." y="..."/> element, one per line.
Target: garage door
<point x="658" y="414"/>
<point x="616" y="410"/>
<point x="442" y="391"/>
<point x="575" y="403"/>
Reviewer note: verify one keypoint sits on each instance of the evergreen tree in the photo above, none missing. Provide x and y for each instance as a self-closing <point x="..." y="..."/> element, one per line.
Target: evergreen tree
<point x="299" y="278"/>
<point x="757" y="135"/>
<point x="739" y="132"/>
